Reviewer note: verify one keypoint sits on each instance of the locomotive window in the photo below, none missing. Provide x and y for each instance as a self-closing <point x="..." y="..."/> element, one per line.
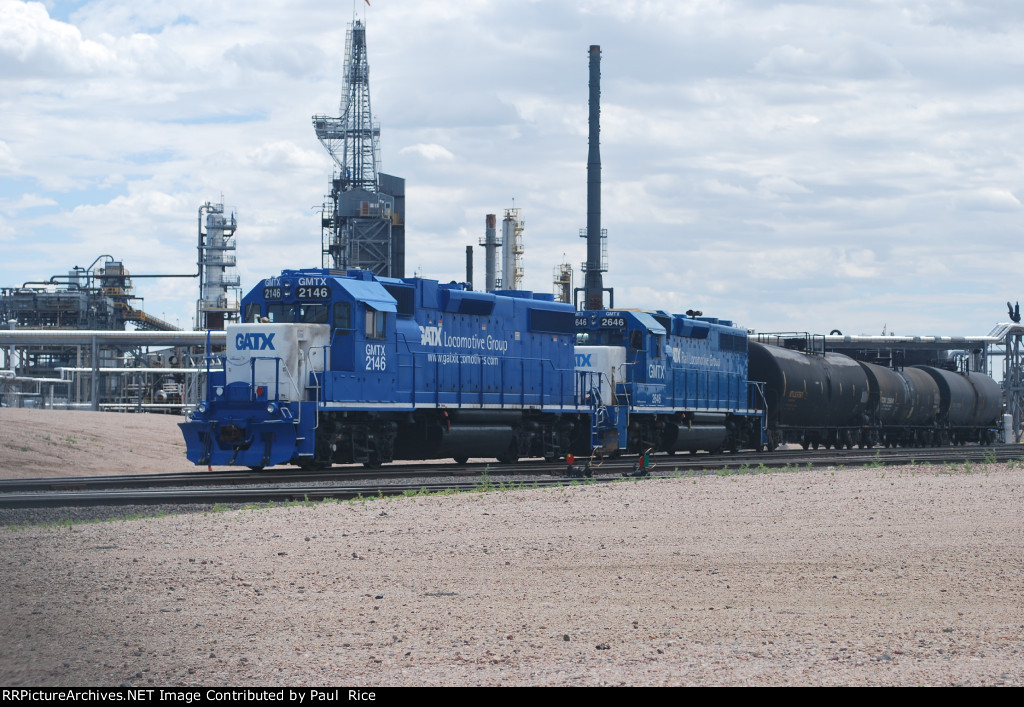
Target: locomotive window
<point x="609" y="337"/>
<point x="374" y="324"/>
<point x="313" y="313"/>
<point x="636" y="340"/>
<point x="281" y="313"/>
<point x="656" y="346"/>
<point x="343" y="317"/>
<point x="252" y="312"/>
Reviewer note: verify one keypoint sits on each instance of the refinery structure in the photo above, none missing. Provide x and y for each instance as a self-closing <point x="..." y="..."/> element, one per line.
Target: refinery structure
<point x="363" y="220"/>
<point x="83" y="339"/>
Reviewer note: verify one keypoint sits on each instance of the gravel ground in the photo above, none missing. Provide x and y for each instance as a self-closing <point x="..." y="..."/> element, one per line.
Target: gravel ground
<point x="896" y="576"/>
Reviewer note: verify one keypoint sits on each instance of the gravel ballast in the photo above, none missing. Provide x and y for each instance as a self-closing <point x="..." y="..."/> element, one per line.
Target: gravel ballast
<point x="868" y="576"/>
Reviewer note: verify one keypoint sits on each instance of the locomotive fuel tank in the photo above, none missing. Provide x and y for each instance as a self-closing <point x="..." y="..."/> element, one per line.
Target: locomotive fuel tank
<point x="699" y="431"/>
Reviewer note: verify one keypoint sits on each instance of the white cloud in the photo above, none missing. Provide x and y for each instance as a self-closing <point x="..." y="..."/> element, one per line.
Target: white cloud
<point x="715" y="186"/>
<point x="431" y="152"/>
<point x="33" y="45"/>
<point x="777" y="185"/>
<point x="290" y="58"/>
<point x="283" y="155"/>
<point x="8" y="163"/>
<point x="988" y="200"/>
<point x="26" y="201"/>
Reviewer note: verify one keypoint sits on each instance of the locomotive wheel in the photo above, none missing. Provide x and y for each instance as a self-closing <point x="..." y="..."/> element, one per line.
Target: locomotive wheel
<point x="256" y="468"/>
<point x="460" y="460"/>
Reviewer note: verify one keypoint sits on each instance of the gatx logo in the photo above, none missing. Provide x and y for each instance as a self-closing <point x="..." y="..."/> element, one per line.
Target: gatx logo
<point x="583" y="360"/>
<point x="254" y="342"/>
<point x="430" y="335"/>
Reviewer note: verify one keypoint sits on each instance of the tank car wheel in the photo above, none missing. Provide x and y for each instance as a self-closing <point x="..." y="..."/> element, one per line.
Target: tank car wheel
<point x="510" y="455"/>
<point x="460" y="460"/>
<point x="373" y="462"/>
<point x="805" y="444"/>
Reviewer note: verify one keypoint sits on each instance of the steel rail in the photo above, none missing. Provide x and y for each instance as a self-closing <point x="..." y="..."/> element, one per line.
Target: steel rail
<point x="668" y="464"/>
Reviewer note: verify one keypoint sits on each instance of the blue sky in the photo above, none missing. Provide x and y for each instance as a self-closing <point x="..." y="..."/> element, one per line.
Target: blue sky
<point x="790" y="166"/>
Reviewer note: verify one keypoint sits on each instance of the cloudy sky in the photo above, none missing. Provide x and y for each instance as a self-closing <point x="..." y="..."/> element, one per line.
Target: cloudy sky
<point x="790" y="166"/>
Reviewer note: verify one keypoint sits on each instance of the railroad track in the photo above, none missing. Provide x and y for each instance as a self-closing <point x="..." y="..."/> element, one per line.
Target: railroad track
<point x="288" y="484"/>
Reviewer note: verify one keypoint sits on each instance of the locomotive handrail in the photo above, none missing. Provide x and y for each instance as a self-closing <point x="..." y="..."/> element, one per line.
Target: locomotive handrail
<point x="277" y="377"/>
<point x="759" y="387"/>
<point x="318" y="388"/>
<point x="811" y="343"/>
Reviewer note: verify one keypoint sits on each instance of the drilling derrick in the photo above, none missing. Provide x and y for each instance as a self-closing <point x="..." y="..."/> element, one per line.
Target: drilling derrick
<point x="362" y="223"/>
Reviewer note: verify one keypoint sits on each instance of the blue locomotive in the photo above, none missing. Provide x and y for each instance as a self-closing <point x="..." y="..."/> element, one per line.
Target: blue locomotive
<point x="329" y="367"/>
<point x="670" y="382"/>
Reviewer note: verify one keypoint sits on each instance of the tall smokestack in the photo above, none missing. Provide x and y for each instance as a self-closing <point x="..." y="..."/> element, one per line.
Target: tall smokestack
<point x="593" y="285"/>
<point x="490" y="244"/>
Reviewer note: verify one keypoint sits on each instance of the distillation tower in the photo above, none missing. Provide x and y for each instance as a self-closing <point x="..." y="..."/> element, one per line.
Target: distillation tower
<point x="220" y="289"/>
<point x="363" y="223"/>
<point x="512" y="250"/>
